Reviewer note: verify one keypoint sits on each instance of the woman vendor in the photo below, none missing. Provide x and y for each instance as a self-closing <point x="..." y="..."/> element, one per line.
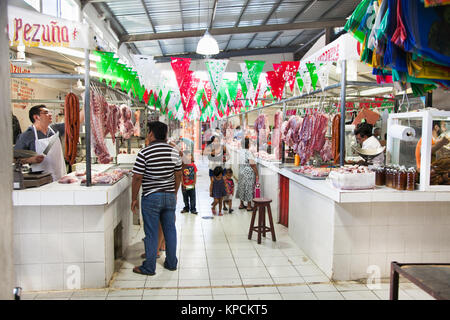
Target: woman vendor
<point x="439" y="127"/>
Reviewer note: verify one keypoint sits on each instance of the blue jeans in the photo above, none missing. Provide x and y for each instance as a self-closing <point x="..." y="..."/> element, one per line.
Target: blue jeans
<point x="189" y="200"/>
<point x="159" y="207"/>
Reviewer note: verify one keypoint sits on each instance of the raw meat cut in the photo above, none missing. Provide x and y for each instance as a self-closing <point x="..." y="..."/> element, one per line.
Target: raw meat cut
<point x="326" y="154"/>
<point x="126" y="126"/>
<point x="137" y="124"/>
<point x="98" y="103"/>
<point x="67" y="180"/>
<point x="113" y="121"/>
<point x="312" y="136"/>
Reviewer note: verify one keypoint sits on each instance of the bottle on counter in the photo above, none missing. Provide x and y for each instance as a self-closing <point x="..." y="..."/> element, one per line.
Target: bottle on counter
<point x="380" y="176"/>
<point x="389" y="177"/>
<point x="395" y="177"/>
<point x="296" y="160"/>
<point x="411" y="179"/>
<point x="401" y="179"/>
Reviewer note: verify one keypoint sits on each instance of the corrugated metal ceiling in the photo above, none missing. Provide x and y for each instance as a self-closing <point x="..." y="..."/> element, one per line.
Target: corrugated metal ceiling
<point x="184" y="15"/>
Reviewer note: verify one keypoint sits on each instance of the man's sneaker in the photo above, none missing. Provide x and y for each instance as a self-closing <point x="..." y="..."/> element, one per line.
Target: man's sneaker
<point x="194" y="212"/>
<point x="225" y="209"/>
<point x="231" y="211"/>
<point x="184" y="211"/>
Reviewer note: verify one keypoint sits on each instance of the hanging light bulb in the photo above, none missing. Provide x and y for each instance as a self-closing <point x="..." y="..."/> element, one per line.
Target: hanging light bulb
<point x="207" y="45"/>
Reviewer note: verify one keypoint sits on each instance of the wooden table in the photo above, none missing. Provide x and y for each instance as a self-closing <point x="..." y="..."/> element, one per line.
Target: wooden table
<point x="433" y="278"/>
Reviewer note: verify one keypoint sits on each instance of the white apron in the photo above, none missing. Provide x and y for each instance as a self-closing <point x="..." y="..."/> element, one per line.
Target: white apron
<point x="54" y="160"/>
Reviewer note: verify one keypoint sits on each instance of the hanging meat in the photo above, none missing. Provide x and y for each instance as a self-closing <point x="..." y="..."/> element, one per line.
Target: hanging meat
<point x="137" y="124"/>
<point x="98" y="128"/>
<point x="335" y="137"/>
<point x="72" y="127"/>
<point x="312" y="136"/>
<point x="113" y="121"/>
<point x="126" y="126"/>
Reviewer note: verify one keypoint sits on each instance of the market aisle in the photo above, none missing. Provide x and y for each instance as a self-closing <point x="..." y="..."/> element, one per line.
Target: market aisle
<point x="217" y="261"/>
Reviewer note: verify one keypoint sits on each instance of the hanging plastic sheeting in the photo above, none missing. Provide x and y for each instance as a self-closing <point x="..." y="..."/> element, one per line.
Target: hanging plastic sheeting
<point x="405" y="38"/>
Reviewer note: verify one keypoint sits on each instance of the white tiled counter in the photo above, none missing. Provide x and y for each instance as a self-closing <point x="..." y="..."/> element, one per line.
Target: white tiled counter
<point x="347" y="233"/>
<point x="64" y="234"/>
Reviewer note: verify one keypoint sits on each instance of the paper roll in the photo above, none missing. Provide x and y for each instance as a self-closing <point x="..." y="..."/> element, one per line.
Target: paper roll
<point x="401" y="132"/>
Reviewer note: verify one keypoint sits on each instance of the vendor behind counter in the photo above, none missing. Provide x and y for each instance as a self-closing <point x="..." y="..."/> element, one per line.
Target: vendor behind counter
<point x="367" y="140"/>
<point x="437" y="143"/>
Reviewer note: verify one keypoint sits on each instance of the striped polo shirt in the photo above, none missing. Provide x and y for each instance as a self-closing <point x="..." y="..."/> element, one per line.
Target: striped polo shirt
<point x="157" y="163"/>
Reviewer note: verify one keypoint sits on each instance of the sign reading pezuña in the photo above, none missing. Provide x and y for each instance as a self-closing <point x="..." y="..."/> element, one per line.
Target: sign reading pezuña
<point x="33" y="29"/>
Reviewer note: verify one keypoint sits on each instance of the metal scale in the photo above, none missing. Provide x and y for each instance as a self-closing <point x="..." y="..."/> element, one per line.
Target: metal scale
<point x="23" y="180"/>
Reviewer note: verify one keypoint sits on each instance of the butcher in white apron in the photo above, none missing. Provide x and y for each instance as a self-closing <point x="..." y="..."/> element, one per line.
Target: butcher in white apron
<point x="54" y="160"/>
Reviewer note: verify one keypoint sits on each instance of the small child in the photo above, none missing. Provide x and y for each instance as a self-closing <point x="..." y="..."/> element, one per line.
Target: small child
<point x="229" y="186"/>
<point x="217" y="190"/>
<point x="189" y="170"/>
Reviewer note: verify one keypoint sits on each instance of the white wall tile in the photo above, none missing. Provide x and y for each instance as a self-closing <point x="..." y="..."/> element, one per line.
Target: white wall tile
<point x="29" y="198"/>
<point x="415" y="257"/>
<point x="412" y="238"/>
<point x="30" y="248"/>
<point x="72" y="219"/>
<point x="342" y="240"/>
<point x="73" y="276"/>
<point x="94" y="247"/>
<point x="90" y="197"/>
<point x="59" y="198"/>
<point x="95" y="275"/>
<point x="360" y="239"/>
<point x="52" y="276"/>
<point x="94" y="218"/>
<point x="445" y="238"/>
<point x="431" y="238"/>
<point x="395" y="242"/>
<point x="399" y="257"/>
<point x="51" y="219"/>
<point x="29" y="219"/>
<point x="378" y="239"/>
<point x="432" y="214"/>
<point x="341" y="267"/>
<point x="31" y="277"/>
<point x="379" y="260"/>
<point x="362" y="213"/>
<point x="380" y="214"/>
<point x="343" y="215"/>
<point x="358" y="266"/>
<point x="431" y="257"/>
<point x="51" y="248"/>
<point x="73" y="247"/>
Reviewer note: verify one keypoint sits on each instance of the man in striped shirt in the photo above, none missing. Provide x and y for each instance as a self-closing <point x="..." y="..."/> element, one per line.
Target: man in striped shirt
<point x="158" y="170"/>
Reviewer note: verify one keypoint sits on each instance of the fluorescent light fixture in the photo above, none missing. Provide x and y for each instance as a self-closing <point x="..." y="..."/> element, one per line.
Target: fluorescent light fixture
<point x="71" y="52"/>
<point x="207" y="45"/>
<point x="376" y="91"/>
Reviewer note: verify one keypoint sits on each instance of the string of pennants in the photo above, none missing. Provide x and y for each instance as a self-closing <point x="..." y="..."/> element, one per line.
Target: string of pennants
<point x="215" y="98"/>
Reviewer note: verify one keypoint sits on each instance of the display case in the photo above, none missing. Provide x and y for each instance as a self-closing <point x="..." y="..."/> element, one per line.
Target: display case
<point x="409" y="144"/>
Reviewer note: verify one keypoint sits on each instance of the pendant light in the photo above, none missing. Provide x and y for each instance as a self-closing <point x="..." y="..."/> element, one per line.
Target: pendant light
<point x="207" y="45"/>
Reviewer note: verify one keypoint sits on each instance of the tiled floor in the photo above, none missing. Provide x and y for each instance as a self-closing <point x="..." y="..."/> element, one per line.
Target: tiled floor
<point x="217" y="261"/>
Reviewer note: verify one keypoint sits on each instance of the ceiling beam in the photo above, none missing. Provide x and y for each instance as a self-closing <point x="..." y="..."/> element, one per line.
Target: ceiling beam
<point x="151" y="24"/>
<point x="236" y="24"/>
<point x="226" y="31"/>
<point x="182" y="24"/>
<point x="213" y="16"/>
<point x="232" y="53"/>
<point x="274" y="8"/>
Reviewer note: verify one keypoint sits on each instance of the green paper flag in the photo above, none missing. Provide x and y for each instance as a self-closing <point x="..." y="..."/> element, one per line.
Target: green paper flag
<point x="312" y="73"/>
<point x="299" y="82"/>
<point x="241" y="81"/>
<point x="254" y="70"/>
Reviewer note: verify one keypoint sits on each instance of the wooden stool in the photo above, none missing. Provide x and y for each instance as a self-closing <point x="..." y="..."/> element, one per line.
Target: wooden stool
<point x="261" y="204"/>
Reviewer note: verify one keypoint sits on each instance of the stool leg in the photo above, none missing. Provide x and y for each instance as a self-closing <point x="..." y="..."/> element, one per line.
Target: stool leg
<point x="264" y="221"/>
<point x="259" y="224"/>
<point x="272" y="229"/>
<point x="252" y="224"/>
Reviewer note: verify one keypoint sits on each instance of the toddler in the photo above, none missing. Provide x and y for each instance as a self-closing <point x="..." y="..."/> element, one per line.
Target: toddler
<point x="189" y="170"/>
<point x="217" y="190"/>
<point x="229" y="186"/>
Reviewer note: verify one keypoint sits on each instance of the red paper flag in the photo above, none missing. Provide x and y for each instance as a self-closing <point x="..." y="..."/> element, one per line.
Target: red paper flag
<point x="276" y="84"/>
<point x="181" y="67"/>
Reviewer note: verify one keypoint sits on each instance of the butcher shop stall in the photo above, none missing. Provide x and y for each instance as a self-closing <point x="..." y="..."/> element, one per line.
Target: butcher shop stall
<point x="81" y="222"/>
<point x="344" y="210"/>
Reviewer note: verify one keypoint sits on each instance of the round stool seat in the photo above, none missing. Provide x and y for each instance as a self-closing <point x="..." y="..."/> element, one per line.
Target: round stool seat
<point x="261" y="200"/>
